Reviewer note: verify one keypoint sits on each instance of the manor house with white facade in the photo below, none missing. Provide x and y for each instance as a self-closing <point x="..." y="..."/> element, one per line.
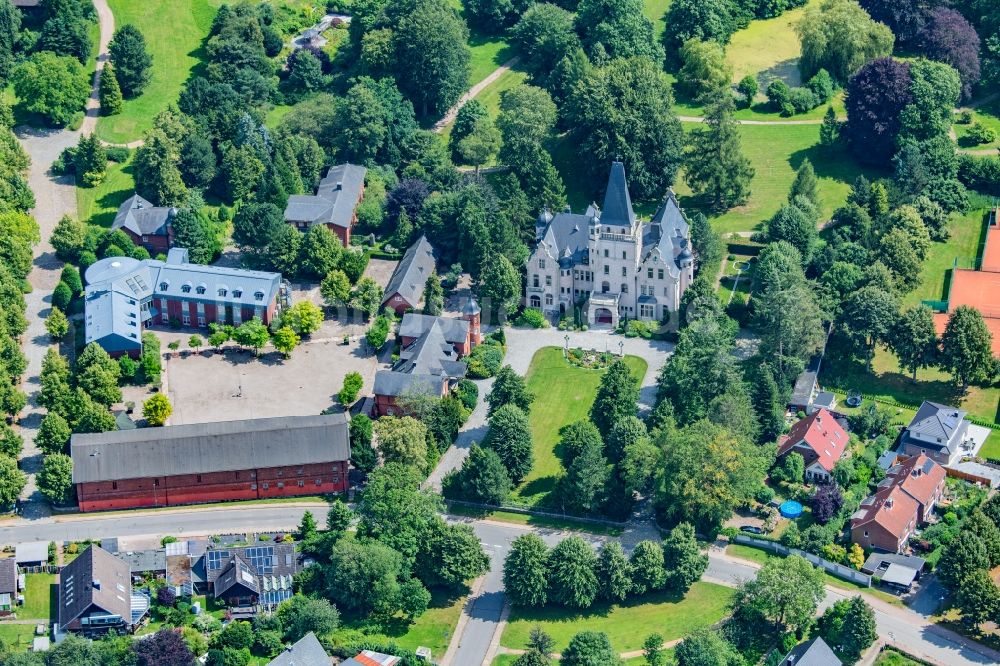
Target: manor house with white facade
<point x="609" y="261"/>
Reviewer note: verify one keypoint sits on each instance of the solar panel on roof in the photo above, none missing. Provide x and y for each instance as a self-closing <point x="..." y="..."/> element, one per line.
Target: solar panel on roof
<point x="261" y="558"/>
<point x="216" y="559"/>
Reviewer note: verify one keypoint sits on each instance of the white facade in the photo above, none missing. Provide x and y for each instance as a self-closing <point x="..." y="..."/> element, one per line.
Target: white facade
<point x="611" y="263"/>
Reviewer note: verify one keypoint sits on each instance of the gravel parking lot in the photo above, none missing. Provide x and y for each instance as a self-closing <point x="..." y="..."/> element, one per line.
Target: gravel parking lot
<point x="236" y="385"/>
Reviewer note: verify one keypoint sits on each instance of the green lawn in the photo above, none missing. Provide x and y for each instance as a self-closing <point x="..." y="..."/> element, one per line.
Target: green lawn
<point x="433" y="629"/>
<point x="654" y="11"/>
<point x="509" y="659"/>
<point x="490" y="97"/>
<point x="488" y="53"/>
<point x="776" y="152"/>
<point x="98" y="205"/>
<point x="987" y="115"/>
<point x="962" y="246"/>
<point x="174" y="31"/>
<point x="893" y="658"/>
<point x="768" y="49"/>
<point x="733" y="281"/>
<point x="564" y="393"/>
<point x="38" y="597"/>
<point x="537" y="521"/>
<point x="627" y="625"/>
<point x="17" y="636"/>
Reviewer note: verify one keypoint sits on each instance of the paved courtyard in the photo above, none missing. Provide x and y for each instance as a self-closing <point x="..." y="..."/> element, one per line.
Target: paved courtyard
<point x="237" y="385"/>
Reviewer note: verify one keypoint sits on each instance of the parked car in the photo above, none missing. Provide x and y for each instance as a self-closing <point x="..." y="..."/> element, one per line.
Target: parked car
<point x="752" y="529"/>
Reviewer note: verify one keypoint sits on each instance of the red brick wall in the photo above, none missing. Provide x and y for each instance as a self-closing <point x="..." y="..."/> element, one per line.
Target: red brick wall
<point x="177" y="308"/>
<point x="878" y="538"/>
<point x="400" y="305"/>
<point x="156" y="244"/>
<point x="214" y="487"/>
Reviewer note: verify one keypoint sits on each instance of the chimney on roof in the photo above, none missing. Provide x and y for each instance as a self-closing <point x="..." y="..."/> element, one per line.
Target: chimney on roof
<point x="97" y="584"/>
<point x="138" y="204"/>
<point x="888" y="503"/>
<point x="340" y="185"/>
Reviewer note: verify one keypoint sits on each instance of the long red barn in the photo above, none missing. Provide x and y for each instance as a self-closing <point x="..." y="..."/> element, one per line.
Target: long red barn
<point x="211" y="462"/>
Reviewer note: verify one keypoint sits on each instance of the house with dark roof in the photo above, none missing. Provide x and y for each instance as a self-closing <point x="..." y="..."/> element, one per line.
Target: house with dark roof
<point x="211" y="462"/>
<point x="607" y="257"/>
<point x="307" y="651"/>
<point x="938" y="431"/>
<point x="123" y="295"/>
<point x="429" y="365"/>
<point x="95" y="595"/>
<point x="147" y="225"/>
<point x="247" y="579"/>
<point x="820" y="440"/>
<point x="335" y="204"/>
<point x="406" y="286"/>
<point x="457" y="332"/>
<point x="813" y="652"/>
<point x="10" y="585"/>
<point x="902" y="501"/>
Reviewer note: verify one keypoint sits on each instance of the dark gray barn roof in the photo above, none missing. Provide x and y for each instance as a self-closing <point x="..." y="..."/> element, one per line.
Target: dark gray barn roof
<point x="200" y="448"/>
<point x="8" y="576"/>
<point x="143" y="218"/>
<point x="411" y="273"/>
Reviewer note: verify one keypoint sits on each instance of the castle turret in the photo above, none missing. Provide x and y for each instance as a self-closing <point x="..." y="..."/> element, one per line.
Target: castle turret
<point x="472" y="313"/>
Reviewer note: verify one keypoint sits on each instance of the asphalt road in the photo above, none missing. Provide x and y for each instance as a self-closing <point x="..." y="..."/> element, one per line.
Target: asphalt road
<point x="902" y="626"/>
<point x="191" y="522"/>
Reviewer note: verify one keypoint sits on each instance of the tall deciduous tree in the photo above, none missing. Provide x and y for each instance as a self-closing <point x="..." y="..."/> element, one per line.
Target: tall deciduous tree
<point x="483" y="478"/>
<point x="589" y="648"/>
<point x="714" y="161"/>
<point x="949" y="38"/>
<point x="840" y="37"/>
<point x="623" y="111"/>
<point x="706" y="472"/>
<point x="10" y="25"/>
<point x="876" y="97"/>
<point x="914" y="339"/>
<point x="682" y="558"/>
<point x="617" y="28"/>
<point x="869" y="315"/>
<point x="432" y="55"/>
<point x="52" y="86"/>
<point x="403" y="440"/>
<point x="525" y="571"/>
<point x="12" y="481"/>
<point x="786" y="591"/>
<point x="613" y="572"/>
<point x="433" y="295"/>
<point x="584" y="485"/>
<point x="55" y="480"/>
<point x="967" y="347"/>
<point x="572" y="578"/>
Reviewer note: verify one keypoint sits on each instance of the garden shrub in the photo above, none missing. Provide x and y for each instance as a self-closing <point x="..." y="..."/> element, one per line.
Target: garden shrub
<point x="468" y="393"/>
<point x="531" y="319"/>
<point x="352" y="387"/>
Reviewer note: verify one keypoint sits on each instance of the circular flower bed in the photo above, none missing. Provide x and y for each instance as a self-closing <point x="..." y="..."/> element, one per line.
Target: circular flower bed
<point x="592" y="360"/>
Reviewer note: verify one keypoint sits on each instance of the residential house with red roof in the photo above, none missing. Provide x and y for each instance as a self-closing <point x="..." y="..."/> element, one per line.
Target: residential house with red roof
<point x="902" y="501"/>
<point x="821" y="442"/>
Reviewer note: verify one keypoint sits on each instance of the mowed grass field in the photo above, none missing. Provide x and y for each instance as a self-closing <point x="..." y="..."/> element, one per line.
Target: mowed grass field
<point x="98" y="205"/>
<point x="769" y="48"/>
<point x="628" y="624"/>
<point x="564" y="393"/>
<point x="174" y="32"/>
<point x="433" y="629"/>
<point x="776" y="151"/>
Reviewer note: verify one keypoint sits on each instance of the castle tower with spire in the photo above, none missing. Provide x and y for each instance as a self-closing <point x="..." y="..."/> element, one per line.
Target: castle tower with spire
<point x="610" y="263"/>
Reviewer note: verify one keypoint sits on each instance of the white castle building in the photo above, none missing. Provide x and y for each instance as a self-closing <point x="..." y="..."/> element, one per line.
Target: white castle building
<point x="608" y="260"/>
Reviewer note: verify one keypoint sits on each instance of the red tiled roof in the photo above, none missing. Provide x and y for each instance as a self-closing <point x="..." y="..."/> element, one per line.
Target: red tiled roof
<point x="918" y="476"/>
<point x="821" y="433"/>
<point x="893" y="516"/>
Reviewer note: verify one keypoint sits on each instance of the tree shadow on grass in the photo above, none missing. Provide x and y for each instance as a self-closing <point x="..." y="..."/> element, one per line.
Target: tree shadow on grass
<point x="834" y="162"/>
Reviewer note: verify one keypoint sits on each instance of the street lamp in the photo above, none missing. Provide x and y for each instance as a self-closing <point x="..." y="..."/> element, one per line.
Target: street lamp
<point x="566" y="349"/>
<point x="621" y="348"/>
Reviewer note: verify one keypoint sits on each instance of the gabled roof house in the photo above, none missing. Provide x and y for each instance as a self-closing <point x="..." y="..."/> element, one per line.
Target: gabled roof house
<point x="334" y="205"/>
<point x="307" y="651"/>
<point x="147" y="225"/>
<point x="820" y="440"/>
<point x="95" y="595"/>
<point x="406" y="286"/>
<point x="902" y="501"/>
<point x="938" y="431"/>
